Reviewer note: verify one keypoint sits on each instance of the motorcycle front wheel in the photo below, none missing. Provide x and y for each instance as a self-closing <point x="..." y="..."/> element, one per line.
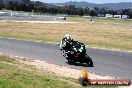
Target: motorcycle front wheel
<point x="89" y="60"/>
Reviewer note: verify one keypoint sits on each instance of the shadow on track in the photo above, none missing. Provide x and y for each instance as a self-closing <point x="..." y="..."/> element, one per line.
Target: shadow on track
<point x="78" y="64"/>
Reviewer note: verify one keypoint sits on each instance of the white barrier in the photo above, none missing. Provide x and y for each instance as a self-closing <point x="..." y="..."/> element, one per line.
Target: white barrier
<point x="5" y="14"/>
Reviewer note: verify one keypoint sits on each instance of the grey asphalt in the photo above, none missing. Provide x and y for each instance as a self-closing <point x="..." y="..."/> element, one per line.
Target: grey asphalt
<point x="117" y="64"/>
<point x="33" y="18"/>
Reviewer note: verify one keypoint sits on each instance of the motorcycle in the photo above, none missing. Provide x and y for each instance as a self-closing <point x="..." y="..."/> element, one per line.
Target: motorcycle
<point x="77" y="53"/>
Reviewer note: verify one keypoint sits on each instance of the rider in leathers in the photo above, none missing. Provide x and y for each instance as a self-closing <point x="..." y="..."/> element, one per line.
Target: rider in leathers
<point x="67" y="44"/>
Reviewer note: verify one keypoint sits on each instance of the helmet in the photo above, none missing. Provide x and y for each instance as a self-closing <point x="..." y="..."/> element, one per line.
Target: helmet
<point x="67" y="38"/>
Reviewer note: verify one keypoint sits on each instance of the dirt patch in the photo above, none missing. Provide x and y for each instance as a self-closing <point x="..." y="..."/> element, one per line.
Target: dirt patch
<point x="61" y="70"/>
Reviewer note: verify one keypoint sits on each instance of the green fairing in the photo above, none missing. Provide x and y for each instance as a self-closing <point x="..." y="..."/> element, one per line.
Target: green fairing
<point x="81" y="49"/>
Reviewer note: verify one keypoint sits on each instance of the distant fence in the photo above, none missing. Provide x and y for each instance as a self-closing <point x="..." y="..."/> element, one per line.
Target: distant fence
<point x="14" y="14"/>
<point x="116" y="16"/>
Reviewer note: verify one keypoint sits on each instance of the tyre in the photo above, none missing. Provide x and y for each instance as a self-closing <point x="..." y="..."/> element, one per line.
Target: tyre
<point x="71" y="62"/>
<point x="89" y="60"/>
<point x="90" y="64"/>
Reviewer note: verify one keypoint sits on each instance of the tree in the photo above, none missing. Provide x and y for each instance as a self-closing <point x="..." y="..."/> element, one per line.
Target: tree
<point x="113" y="12"/>
<point x="128" y="12"/>
<point x="97" y="10"/>
<point x="86" y="11"/>
<point x="92" y="12"/>
<point x="12" y="5"/>
<point x="1" y="5"/>
<point x="80" y="11"/>
<point x="39" y="6"/>
<point x="22" y="7"/>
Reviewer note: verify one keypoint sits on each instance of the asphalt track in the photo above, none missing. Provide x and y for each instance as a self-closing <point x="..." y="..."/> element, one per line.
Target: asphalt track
<point x="34" y="18"/>
<point x="117" y="64"/>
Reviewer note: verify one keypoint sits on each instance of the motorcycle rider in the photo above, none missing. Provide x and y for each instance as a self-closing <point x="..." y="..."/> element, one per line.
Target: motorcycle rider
<point x="70" y="47"/>
<point x="68" y="44"/>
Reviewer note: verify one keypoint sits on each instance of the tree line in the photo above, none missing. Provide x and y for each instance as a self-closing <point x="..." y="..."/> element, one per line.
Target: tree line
<point x="66" y="9"/>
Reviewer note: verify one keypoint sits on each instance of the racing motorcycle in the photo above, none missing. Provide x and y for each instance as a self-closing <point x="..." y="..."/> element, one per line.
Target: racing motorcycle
<point x="77" y="53"/>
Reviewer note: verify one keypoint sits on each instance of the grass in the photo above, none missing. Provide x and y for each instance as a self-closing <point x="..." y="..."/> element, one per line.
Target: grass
<point x="18" y="75"/>
<point x="21" y="76"/>
<point x="104" y="33"/>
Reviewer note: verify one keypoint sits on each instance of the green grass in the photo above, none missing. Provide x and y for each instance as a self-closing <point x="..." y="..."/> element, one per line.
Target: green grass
<point x="18" y="75"/>
<point x="12" y="76"/>
<point x="6" y="59"/>
<point x="113" y="21"/>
